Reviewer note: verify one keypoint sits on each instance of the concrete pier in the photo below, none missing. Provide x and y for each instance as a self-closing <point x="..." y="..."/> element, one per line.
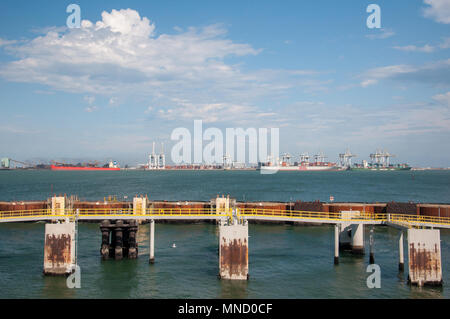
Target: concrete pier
<point x="424" y="254"/>
<point x="345" y="236"/>
<point x="59" y="248"/>
<point x="358" y="239"/>
<point x="233" y="251"/>
<point x="152" y="241"/>
<point x="371" y="244"/>
<point x="336" y="244"/>
<point x="401" y="259"/>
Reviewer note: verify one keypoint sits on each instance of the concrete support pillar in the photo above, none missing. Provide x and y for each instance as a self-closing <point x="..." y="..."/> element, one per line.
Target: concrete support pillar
<point x="132" y="245"/>
<point x="233" y="251"/>
<point x="59" y="249"/>
<point x="118" y="250"/>
<point x="401" y="259"/>
<point x="358" y="239"/>
<point x="371" y="243"/>
<point x="152" y="241"/>
<point x="345" y="236"/>
<point x="336" y="244"/>
<point x="424" y="254"/>
<point x="105" y="229"/>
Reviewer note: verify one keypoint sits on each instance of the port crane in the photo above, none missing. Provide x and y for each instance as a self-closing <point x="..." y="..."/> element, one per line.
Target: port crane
<point x="381" y="157"/>
<point x="345" y="159"/>
<point x="319" y="158"/>
<point x="304" y="158"/>
<point x="227" y="161"/>
<point x="286" y="158"/>
<point x="157" y="161"/>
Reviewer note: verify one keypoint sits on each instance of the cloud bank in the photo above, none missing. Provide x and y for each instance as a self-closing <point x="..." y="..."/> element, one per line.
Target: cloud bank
<point x="438" y="10"/>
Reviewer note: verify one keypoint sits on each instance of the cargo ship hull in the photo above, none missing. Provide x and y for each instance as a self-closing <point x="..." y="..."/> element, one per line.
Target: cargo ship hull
<point x="381" y="169"/>
<point x="82" y="168"/>
<point x="300" y="168"/>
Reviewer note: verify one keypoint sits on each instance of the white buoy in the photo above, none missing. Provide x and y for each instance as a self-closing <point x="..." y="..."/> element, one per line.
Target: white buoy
<point x="174" y="246"/>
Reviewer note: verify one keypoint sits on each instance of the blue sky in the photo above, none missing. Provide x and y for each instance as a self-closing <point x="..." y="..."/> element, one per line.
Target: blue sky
<point x="130" y="76"/>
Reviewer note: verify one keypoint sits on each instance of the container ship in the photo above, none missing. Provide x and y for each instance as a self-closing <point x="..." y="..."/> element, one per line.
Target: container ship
<point x="319" y="164"/>
<point x="379" y="161"/>
<point x="111" y="166"/>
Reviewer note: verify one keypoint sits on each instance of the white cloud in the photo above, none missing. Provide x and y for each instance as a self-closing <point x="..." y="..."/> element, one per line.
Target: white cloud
<point x="91" y="109"/>
<point x="209" y="112"/>
<point x="321" y="121"/>
<point x="412" y="48"/>
<point x="445" y="44"/>
<point x="368" y="82"/>
<point x="113" y="101"/>
<point x="4" y="42"/>
<point x="435" y="73"/>
<point x="380" y="34"/>
<point x="89" y="99"/>
<point x="443" y="99"/>
<point x="438" y="10"/>
<point x="122" y="53"/>
<point x="149" y="110"/>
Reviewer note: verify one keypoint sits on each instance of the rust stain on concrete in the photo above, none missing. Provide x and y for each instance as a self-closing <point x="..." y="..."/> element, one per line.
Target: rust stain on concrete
<point x="234" y="258"/>
<point x="57" y="250"/>
<point x="425" y="264"/>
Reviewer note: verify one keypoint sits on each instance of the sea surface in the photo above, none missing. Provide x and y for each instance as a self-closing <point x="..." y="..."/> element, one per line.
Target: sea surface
<point x="285" y="261"/>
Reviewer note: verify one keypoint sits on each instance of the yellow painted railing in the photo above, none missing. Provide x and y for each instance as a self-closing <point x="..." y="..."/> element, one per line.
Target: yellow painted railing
<point x="295" y="214"/>
<point x="419" y="219"/>
<point x="42" y="214"/>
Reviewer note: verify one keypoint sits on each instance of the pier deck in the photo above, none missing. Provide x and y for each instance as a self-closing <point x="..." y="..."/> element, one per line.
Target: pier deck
<point x="276" y="215"/>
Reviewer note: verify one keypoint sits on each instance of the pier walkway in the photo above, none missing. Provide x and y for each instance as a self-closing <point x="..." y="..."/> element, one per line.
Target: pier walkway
<point x="399" y="220"/>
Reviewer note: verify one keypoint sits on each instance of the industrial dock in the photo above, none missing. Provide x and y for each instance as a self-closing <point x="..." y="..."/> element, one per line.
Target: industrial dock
<point x="120" y="222"/>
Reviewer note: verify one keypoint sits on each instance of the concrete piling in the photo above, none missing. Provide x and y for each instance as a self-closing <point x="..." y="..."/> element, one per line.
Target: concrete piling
<point x="105" y="229"/>
<point x="59" y="248"/>
<point x="345" y="236"/>
<point x="336" y="244"/>
<point x="424" y="257"/>
<point x="233" y="251"/>
<point x="152" y="241"/>
<point x="118" y="249"/>
<point x="358" y="239"/>
<point x="119" y="239"/>
<point x="401" y="261"/>
<point x="132" y="245"/>
<point x="371" y="243"/>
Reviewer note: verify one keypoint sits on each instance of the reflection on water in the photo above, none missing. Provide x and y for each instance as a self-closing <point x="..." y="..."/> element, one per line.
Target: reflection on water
<point x="55" y="287"/>
<point x="233" y="289"/>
